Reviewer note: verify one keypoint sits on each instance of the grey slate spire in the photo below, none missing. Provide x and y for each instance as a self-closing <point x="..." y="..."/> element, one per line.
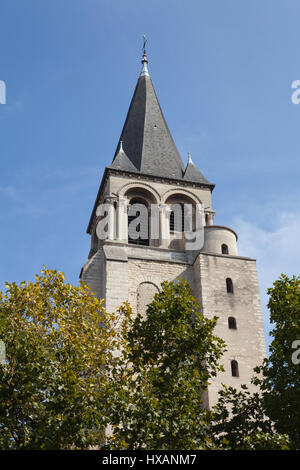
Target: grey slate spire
<point x="147" y="145"/>
<point x="146" y="138"/>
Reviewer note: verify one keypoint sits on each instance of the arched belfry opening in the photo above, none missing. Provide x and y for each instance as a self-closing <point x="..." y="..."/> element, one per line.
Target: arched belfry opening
<point x="181" y="218"/>
<point x="138" y="222"/>
<point x="140" y="202"/>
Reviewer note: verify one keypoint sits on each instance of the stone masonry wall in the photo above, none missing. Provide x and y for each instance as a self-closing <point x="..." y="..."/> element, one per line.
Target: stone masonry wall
<point x="156" y="272"/>
<point x="246" y="344"/>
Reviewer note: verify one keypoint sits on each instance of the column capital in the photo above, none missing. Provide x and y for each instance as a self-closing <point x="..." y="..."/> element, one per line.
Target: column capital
<point x="163" y="207"/>
<point x="210" y="216"/>
<point x="209" y="211"/>
<point x="110" y="199"/>
<point x="122" y="201"/>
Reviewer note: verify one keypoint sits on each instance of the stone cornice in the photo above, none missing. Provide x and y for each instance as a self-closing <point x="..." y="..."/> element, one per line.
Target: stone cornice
<point x="160" y="179"/>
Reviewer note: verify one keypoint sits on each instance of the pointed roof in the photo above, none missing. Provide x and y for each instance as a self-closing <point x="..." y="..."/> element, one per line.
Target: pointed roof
<point x="193" y="174"/>
<point x="121" y="161"/>
<point x="146" y="138"/>
<point x="146" y="146"/>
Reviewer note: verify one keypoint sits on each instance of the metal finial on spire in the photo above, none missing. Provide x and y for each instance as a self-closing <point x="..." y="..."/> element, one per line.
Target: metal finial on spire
<point x="144" y="45"/>
<point x="190" y="158"/>
<point x="144" y="59"/>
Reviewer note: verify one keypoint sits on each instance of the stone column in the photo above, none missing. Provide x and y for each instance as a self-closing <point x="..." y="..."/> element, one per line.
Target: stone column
<point x="122" y="219"/>
<point x="164" y="224"/>
<point x="109" y="203"/>
<point x="189" y="214"/>
<point x="210" y="217"/>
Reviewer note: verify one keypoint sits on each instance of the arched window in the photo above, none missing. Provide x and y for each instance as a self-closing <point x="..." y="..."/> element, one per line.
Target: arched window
<point x="138" y="222"/>
<point x="234" y="369"/>
<point x="225" y="249"/>
<point x="229" y="285"/>
<point x="232" y="323"/>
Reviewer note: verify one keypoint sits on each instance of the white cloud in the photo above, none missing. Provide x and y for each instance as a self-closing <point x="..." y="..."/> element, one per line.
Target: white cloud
<point x="276" y="252"/>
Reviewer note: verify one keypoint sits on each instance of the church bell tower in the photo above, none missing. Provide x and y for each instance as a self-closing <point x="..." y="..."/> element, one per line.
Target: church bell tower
<point x="147" y="171"/>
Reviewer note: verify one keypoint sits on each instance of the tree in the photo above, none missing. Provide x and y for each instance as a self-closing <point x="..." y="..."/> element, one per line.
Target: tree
<point x="58" y="340"/>
<point x="270" y="417"/>
<point x="159" y="381"/>
<point x="240" y="422"/>
<point x="280" y="382"/>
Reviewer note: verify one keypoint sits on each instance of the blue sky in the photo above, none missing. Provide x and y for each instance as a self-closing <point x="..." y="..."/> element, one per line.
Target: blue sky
<point x="222" y="70"/>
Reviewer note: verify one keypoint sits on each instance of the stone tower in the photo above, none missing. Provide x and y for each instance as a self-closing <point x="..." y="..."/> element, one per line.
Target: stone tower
<point x="147" y="169"/>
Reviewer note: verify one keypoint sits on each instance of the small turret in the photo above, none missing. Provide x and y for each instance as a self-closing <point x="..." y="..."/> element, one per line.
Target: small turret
<point x="191" y="172"/>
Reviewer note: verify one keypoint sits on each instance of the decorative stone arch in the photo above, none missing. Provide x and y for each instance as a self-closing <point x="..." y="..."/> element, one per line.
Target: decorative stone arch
<point x="145" y="293"/>
<point x="142" y="186"/>
<point x="143" y="277"/>
<point x="184" y="192"/>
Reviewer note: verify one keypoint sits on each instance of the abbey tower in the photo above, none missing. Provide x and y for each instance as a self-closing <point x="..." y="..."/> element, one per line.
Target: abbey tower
<point x="147" y="169"/>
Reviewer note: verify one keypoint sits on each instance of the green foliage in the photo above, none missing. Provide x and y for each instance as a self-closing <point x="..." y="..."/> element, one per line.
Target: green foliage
<point x="163" y="370"/>
<point x="52" y="384"/>
<point x="70" y="370"/>
<point x="280" y="382"/>
<point x="240" y="422"/>
<point x="270" y="417"/>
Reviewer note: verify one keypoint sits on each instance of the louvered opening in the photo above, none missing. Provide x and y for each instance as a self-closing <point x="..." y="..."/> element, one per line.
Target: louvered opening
<point x="177" y="221"/>
<point x="138" y="222"/>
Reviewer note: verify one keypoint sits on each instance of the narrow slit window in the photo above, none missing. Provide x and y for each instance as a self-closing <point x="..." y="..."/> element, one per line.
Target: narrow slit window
<point x="225" y="250"/>
<point x="229" y="285"/>
<point x="234" y="369"/>
<point x="232" y="323"/>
